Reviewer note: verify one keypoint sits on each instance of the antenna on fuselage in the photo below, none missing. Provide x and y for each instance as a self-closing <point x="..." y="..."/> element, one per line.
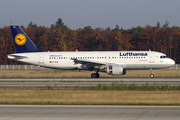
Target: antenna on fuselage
<point x="149" y="50"/>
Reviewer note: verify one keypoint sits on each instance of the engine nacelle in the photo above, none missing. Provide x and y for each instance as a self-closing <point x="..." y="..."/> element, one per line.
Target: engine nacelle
<point x="115" y="70"/>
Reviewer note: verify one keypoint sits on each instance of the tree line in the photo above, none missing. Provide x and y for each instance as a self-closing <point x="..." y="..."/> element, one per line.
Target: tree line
<point x="59" y="37"/>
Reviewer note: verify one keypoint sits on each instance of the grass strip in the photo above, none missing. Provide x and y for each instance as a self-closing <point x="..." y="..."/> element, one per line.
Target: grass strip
<point x="100" y="95"/>
<point x="133" y="87"/>
<point x="50" y="73"/>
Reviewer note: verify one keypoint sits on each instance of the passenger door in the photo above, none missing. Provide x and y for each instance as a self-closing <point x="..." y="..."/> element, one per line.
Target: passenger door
<point x="41" y="59"/>
<point x="151" y="57"/>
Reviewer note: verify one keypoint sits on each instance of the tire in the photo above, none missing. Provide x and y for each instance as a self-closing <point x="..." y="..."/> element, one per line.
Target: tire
<point x="97" y="75"/>
<point x="94" y="75"/>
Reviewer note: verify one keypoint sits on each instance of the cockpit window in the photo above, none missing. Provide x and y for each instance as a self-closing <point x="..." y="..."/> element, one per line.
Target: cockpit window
<point x="163" y="56"/>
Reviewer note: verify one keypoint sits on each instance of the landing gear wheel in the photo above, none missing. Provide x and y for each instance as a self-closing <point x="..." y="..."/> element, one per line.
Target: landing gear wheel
<point x="94" y="75"/>
<point x="151" y="75"/>
<point x="97" y="75"/>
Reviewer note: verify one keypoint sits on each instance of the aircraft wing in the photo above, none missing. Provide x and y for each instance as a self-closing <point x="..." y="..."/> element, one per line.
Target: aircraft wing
<point x="89" y="63"/>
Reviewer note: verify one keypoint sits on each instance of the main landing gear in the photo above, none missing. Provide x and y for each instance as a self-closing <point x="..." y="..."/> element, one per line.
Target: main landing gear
<point x="151" y="72"/>
<point x="95" y="75"/>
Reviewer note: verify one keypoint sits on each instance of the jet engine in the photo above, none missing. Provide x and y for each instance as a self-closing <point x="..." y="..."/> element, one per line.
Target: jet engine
<point x="115" y="70"/>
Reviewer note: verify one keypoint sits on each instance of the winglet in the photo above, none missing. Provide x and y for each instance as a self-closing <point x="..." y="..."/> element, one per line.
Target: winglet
<point x="22" y="42"/>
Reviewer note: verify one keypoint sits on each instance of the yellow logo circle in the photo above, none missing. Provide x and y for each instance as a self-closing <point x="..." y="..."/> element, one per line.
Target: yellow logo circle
<point x="20" y="39"/>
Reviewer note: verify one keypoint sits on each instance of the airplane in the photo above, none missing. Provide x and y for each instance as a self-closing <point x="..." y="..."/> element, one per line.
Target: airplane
<point x="110" y="62"/>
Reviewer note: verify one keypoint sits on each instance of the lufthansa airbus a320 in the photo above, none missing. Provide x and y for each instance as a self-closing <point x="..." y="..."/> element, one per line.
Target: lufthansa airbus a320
<point x="111" y="62"/>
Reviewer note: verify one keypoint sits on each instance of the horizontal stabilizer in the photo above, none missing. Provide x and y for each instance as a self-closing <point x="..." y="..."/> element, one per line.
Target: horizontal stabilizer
<point x="16" y="56"/>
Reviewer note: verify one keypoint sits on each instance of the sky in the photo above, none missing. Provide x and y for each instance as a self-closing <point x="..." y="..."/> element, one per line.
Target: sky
<point x="95" y="13"/>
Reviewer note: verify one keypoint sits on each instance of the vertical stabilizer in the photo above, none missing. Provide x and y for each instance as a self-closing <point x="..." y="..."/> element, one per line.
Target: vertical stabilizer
<point x="22" y="42"/>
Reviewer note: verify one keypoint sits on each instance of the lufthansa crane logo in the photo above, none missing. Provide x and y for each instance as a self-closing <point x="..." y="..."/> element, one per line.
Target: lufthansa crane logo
<point x="20" y="39"/>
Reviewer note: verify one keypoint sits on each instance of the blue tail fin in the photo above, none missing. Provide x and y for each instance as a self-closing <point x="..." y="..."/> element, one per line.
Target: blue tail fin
<point x="22" y="42"/>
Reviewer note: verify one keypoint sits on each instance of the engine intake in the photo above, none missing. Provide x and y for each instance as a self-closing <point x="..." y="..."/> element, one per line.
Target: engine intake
<point x="115" y="70"/>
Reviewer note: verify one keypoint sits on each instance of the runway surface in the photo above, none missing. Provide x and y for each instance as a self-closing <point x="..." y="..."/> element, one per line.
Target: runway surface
<point x="82" y="84"/>
<point x="93" y="79"/>
<point x="88" y="112"/>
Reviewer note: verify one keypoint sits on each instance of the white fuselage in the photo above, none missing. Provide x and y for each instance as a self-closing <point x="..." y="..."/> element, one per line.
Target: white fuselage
<point x="127" y="59"/>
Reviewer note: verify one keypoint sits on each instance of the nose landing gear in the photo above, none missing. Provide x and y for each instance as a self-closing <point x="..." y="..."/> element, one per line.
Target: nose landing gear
<point x="151" y="72"/>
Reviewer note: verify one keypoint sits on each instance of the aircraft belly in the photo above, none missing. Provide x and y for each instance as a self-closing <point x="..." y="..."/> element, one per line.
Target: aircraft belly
<point x="144" y="66"/>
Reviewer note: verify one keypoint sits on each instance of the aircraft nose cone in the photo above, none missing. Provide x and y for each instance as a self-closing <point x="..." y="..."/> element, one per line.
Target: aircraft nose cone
<point x="172" y="62"/>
